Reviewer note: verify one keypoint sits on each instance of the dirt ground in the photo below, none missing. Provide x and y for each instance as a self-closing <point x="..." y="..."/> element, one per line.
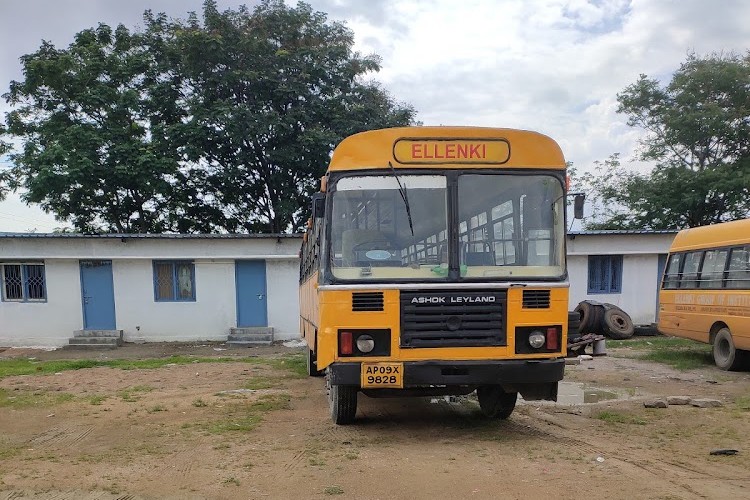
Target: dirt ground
<point x="174" y="432"/>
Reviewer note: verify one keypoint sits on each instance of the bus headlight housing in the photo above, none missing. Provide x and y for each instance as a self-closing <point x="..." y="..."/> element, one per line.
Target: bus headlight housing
<point x="365" y="343"/>
<point x="537" y="339"/>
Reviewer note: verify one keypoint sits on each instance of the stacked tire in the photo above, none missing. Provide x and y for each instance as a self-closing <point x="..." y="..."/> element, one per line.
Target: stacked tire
<point x="605" y="319"/>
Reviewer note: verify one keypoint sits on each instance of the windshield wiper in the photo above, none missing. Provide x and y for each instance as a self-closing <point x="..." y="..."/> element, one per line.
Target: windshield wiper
<point x="404" y="196"/>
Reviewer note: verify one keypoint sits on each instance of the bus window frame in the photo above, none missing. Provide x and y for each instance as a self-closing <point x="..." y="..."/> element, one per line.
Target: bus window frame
<point x="452" y="175"/>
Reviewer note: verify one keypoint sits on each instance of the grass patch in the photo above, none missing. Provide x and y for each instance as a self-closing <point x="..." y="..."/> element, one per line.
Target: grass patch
<point x="199" y="403"/>
<point x="97" y="399"/>
<point x="293" y="363"/>
<point x="260" y="382"/>
<point x="156" y="408"/>
<point x="334" y="490"/>
<point x="682" y="354"/>
<point x="133" y="394"/>
<point x="245" y="418"/>
<point x="37" y="399"/>
<point x="615" y="417"/>
<point x="743" y="403"/>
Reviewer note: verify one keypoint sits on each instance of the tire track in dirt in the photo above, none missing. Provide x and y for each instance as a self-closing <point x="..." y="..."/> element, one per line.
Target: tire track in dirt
<point x="631" y="456"/>
<point x="65" y="436"/>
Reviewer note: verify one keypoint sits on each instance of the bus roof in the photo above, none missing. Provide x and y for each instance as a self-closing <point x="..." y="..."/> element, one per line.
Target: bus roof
<point x="447" y="147"/>
<point x="715" y="235"/>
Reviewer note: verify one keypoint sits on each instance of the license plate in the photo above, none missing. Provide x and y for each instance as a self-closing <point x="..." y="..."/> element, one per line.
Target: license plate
<point x="382" y="375"/>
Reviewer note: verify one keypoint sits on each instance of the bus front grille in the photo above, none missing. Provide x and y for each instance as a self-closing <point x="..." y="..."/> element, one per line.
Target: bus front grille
<point x="453" y="318"/>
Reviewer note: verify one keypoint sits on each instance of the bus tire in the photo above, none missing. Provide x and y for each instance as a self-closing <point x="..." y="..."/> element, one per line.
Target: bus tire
<point x="495" y="402"/>
<point x="312" y="360"/>
<point x="617" y="324"/>
<point x="726" y="356"/>
<point x="342" y="400"/>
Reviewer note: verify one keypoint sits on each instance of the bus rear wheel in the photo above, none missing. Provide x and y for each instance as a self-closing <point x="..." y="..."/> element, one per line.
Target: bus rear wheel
<point x="495" y="402"/>
<point x="312" y="363"/>
<point x="726" y="356"/>
<point x="342" y="400"/>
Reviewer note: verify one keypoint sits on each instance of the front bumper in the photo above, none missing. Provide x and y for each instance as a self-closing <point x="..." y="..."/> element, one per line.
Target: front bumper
<point x="462" y="373"/>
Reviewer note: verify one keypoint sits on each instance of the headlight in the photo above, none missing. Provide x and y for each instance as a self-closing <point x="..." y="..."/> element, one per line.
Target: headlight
<point x="536" y="339"/>
<point x="365" y="343"/>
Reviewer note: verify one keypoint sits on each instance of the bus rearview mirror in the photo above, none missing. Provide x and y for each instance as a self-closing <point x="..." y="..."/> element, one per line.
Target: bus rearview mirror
<point x="318" y="205"/>
<point x="578" y="206"/>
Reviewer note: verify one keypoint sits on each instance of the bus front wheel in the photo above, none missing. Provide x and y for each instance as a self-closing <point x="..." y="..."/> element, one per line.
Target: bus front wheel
<point x="342" y="400"/>
<point x="726" y="356"/>
<point x="495" y="402"/>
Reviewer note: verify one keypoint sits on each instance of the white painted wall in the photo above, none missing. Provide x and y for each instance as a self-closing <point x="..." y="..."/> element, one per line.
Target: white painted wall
<point x="640" y="263"/>
<point x="48" y="323"/>
<point x="140" y="317"/>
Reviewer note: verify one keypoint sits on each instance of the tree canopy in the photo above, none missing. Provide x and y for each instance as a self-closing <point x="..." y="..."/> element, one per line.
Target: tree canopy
<point x="222" y="123"/>
<point x="698" y="137"/>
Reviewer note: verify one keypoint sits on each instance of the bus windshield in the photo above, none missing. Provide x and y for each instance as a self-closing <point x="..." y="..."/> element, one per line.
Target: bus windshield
<point x="509" y="226"/>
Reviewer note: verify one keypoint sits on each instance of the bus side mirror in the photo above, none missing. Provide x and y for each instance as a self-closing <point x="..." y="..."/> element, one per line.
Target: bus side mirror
<point x="318" y="205"/>
<point x="578" y="206"/>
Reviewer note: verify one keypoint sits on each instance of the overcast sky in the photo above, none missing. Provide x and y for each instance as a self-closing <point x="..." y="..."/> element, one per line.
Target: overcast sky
<point x="554" y="66"/>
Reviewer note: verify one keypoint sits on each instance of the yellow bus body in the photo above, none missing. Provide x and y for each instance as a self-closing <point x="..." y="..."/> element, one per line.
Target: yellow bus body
<point x="326" y="308"/>
<point x="706" y="285"/>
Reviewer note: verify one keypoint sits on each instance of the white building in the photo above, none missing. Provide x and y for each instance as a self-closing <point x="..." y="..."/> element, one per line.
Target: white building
<point x="152" y="287"/>
<point x="158" y="288"/>
<point x="619" y="267"/>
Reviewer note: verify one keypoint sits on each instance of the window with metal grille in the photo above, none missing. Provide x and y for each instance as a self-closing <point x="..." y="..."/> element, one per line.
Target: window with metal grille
<point x="174" y="281"/>
<point x="605" y="274"/>
<point x="23" y="282"/>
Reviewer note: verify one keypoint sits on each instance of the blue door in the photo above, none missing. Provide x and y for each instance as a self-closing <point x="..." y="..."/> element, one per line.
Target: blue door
<point x="250" y="280"/>
<point x="98" y="295"/>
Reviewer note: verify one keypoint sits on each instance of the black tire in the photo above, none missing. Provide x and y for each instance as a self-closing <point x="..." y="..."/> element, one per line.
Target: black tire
<point x="726" y="356"/>
<point x="617" y="324"/>
<point x="495" y="402"/>
<point x="574" y="325"/>
<point x="585" y="311"/>
<point x="342" y="400"/>
<point x="312" y="370"/>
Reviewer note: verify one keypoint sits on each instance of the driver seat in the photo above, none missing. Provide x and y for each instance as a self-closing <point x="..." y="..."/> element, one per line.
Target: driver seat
<point x="351" y="238"/>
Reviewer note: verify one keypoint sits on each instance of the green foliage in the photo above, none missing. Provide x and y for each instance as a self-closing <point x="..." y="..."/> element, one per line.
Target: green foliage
<point x="682" y="354"/>
<point x="698" y="136"/>
<point x="218" y="124"/>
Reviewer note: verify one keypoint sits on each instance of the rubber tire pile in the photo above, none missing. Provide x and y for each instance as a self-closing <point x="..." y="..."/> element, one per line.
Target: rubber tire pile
<point x="600" y="318"/>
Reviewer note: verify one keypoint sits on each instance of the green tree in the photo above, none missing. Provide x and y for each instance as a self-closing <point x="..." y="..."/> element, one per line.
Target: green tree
<point x="272" y="92"/>
<point x="90" y="119"/>
<point x="223" y="123"/>
<point x="697" y="135"/>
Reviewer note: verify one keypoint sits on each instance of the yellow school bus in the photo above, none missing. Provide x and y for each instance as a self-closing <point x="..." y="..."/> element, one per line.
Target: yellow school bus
<point x="705" y="291"/>
<point x="434" y="264"/>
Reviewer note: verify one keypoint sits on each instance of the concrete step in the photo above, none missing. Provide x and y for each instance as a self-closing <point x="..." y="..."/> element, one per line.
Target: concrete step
<point x="115" y="341"/>
<point x="91" y="347"/>
<point x="254" y="330"/>
<point x="246" y="343"/>
<point x="250" y="337"/>
<point x="98" y="333"/>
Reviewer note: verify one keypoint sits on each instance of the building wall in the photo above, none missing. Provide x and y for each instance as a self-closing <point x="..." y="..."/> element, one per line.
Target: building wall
<point x="640" y="276"/>
<point x="141" y="318"/>
<point x="48" y="323"/>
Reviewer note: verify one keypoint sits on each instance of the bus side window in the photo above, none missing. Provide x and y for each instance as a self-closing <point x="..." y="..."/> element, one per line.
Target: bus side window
<point x="712" y="271"/>
<point x="672" y="274"/>
<point x="738" y="275"/>
<point x="690" y="270"/>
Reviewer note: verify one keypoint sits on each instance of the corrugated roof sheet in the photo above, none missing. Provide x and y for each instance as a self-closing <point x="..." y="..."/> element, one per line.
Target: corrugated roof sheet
<point x="150" y="236"/>
<point x="623" y="231"/>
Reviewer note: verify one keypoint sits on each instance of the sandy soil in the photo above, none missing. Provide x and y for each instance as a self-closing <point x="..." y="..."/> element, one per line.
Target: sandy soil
<point x="171" y="432"/>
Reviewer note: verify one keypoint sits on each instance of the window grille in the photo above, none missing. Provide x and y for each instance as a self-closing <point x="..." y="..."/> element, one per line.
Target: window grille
<point x="174" y="281"/>
<point x="23" y="282"/>
<point x="605" y="274"/>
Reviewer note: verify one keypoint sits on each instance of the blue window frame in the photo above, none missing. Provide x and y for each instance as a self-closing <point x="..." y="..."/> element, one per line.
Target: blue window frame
<point x="174" y="281"/>
<point x="605" y="274"/>
<point x="23" y="282"/>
